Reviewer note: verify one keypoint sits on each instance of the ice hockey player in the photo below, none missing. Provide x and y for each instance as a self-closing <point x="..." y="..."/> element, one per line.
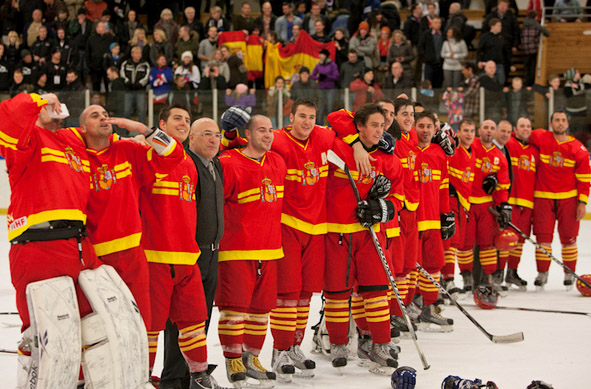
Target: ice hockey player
<point x="524" y="163"/>
<point x="461" y="177"/>
<point x="253" y="201"/>
<point x="348" y="236"/>
<point x="167" y="204"/>
<point x="561" y="193"/>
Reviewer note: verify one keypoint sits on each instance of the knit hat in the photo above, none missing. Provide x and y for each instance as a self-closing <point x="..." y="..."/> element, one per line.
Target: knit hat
<point x="81" y="11"/>
<point x="113" y="45"/>
<point x="24" y="53"/>
<point x="187" y="54"/>
<point x="386" y="28"/>
<point x="570" y="74"/>
<point x="364" y="25"/>
<point x="325" y="52"/>
<point x="304" y="69"/>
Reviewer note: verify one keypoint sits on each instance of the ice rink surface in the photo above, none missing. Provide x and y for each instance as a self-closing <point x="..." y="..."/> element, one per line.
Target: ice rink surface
<point x="556" y="349"/>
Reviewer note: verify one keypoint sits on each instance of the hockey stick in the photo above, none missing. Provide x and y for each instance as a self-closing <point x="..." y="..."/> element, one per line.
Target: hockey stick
<point x="540" y="310"/>
<point x="512" y="338"/>
<point x="7" y="351"/>
<point x="552" y="257"/>
<point x="8" y="313"/>
<point x="335" y="159"/>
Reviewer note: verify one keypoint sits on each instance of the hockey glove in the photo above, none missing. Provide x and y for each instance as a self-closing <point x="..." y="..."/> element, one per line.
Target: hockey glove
<point x="235" y="118"/>
<point x="489" y="184"/>
<point x="504" y="217"/>
<point x="387" y="143"/>
<point x="455" y="382"/>
<point x="448" y="225"/>
<point x="539" y="385"/>
<point x="380" y="188"/>
<point x="374" y="211"/>
<point x="404" y="377"/>
<point x="446" y="143"/>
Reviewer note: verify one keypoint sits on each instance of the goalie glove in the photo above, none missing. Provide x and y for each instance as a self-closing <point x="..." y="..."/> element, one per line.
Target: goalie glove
<point x="448" y="225"/>
<point x="380" y="188"/>
<point x="404" y="377"/>
<point x="489" y="184"/>
<point x="235" y="118"/>
<point x="446" y="142"/>
<point x="374" y="211"/>
<point x="504" y="218"/>
<point x="387" y="143"/>
<point x="160" y="141"/>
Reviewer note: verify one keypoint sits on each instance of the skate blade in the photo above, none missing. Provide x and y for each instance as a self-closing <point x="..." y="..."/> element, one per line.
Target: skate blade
<point x="431" y="327"/>
<point x="305" y="374"/>
<point x="568" y="287"/>
<point x="255" y="383"/>
<point x="517" y="288"/>
<point x="366" y="363"/>
<point x="396" y="339"/>
<point x="378" y="369"/>
<point x="539" y="289"/>
<point x="283" y="378"/>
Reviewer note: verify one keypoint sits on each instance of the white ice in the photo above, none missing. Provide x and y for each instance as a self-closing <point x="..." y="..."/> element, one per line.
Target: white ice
<point x="557" y="347"/>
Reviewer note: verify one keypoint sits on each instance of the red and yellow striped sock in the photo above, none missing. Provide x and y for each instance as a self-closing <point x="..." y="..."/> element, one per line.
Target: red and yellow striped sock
<point x="402" y="285"/>
<point x="358" y="312"/>
<point x="193" y="345"/>
<point x="255" y="330"/>
<point x="152" y="346"/>
<point x="542" y="260"/>
<point x="336" y="312"/>
<point x="427" y="289"/>
<point x="231" y="332"/>
<point x="283" y="324"/>
<point x="465" y="260"/>
<point x="412" y="286"/>
<point x="448" y="269"/>
<point x="303" y="312"/>
<point x="569" y="256"/>
<point x="515" y="256"/>
<point x="377" y="315"/>
<point x="488" y="260"/>
<point x="503" y="258"/>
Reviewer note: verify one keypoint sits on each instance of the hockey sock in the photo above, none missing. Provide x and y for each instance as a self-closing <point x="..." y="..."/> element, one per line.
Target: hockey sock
<point x="542" y="260"/>
<point x="193" y="345"/>
<point x="515" y="256"/>
<point x="411" y="286"/>
<point x="569" y="256"/>
<point x="303" y="311"/>
<point x="465" y="260"/>
<point x="377" y="315"/>
<point x="488" y="260"/>
<point x="283" y="321"/>
<point x="152" y="346"/>
<point x="402" y="285"/>
<point x="503" y="259"/>
<point x="231" y="332"/>
<point x="358" y="313"/>
<point x="427" y="289"/>
<point x="448" y="269"/>
<point x="255" y="330"/>
<point x="336" y="312"/>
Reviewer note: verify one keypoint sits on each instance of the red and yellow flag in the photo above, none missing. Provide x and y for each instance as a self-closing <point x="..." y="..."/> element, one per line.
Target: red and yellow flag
<point x="248" y="48"/>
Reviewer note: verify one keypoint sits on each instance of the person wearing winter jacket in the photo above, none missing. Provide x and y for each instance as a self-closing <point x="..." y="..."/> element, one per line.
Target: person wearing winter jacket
<point x="364" y="44"/>
<point x="453" y="52"/>
<point x="327" y="75"/>
<point x="160" y="80"/>
<point x="136" y="74"/>
<point x="365" y="89"/>
<point x="96" y="47"/>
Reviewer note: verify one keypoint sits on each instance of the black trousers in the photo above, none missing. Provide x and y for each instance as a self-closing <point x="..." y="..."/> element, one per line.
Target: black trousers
<point x="175" y="369"/>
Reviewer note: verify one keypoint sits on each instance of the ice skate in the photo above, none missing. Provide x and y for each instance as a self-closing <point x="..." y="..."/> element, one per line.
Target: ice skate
<point x="236" y="372"/>
<point x="400" y="324"/>
<point x="282" y="365"/>
<point x="383" y="363"/>
<point x="569" y="281"/>
<point x="468" y="282"/>
<point x="431" y="321"/>
<point x="339" y="356"/>
<point x="301" y="362"/>
<point x="364" y="346"/>
<point x="254" y="369"/>
<point x="204" y="380"/>
<point x="512" y="278"/>
<point x="493" y="280"/>
<point x="540" y="281"/>
<point x="451" y="288"/>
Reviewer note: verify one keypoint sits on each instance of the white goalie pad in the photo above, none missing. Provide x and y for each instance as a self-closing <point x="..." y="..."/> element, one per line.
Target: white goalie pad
<point x="53" y="337"/>
<point x="116" y="354"/>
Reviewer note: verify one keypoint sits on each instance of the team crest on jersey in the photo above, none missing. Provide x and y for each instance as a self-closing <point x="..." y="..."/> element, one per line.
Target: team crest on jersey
<point x="487" y="166"/>
<point x="268" y="191"/>
<point x="412" y="159"/>
<point x="104" y="178"/>
<point x="73" y="160"/>
<point x="310" y="174"/>
<point x="467" y="174"/>
<point x="186" y="189"/>
<point x="524" y="163"/>
<point x="368" y="178"/>
<point x="556" y="159"/>
<point x="426" y="173"/>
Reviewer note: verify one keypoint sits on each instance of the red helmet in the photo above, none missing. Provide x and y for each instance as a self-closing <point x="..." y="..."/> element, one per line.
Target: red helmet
<point x="505" y="240"/>
<point x="584" y="290"/>
<point x="486" y="297"/>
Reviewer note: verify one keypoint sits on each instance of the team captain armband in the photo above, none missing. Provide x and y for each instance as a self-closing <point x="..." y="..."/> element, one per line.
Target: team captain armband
<point x="160" y="141"/>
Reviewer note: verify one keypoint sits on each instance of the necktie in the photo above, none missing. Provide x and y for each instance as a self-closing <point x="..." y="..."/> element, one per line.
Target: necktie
<point x="211" y="169"/>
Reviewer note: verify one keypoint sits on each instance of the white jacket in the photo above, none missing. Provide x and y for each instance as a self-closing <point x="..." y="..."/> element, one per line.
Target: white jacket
<point x="460" y="51"/>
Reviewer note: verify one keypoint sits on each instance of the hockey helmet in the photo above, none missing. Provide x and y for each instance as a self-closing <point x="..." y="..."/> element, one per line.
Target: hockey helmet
<point x="505" y="240"/>
<point x="582" y="288"/>
<point x="486" y="297"/>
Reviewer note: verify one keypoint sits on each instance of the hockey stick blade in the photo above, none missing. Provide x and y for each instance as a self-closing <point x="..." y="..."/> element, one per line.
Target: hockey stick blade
<point x="335" y="159"/>
<point x="513" y="338"/>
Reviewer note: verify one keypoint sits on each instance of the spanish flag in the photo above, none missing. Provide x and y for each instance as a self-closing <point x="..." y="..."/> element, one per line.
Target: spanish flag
<point x="248" y="48"/>
<point x="287" y="61"/>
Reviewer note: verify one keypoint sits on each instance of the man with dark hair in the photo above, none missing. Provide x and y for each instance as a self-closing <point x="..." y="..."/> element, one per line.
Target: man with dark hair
<point x="509" y="30"/>
<point x="56" y="71"/>
<point x="305" y="87"/>
<point x="350" y="70"/>
<point x="471" y="89"/>
<point x="238" y="72"/>
<point x="430" y="45"/>
<point x="493" y="47"/>
<point x="284" y="23"/>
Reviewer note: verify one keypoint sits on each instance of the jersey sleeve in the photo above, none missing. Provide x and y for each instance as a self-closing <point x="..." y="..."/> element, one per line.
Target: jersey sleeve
<point x="501" y="193"/>
<point x="232" y="140"/>
<point x="342" y="124"/>
<point x="582" y="174"/>
<point x="394" y="173"/>
<point x="146" y="162"/>
<point x="17" y="126"/>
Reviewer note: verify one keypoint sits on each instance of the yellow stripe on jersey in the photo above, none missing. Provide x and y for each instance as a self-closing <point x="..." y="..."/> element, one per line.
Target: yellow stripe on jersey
<point x="171" y="257"/>
<point x="429" y="225"/>
<point x="116" y="245"/>
<point x="583" y="177"/>
<point x="521" y="202"/>
<point x="300" y="225"/>
<point x="555" y="195"/>
<point x="250" y="255"/>
<point x="349" y="228"/>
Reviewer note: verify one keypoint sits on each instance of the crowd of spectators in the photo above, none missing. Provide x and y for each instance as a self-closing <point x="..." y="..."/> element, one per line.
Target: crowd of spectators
<point x="57" y="45"/>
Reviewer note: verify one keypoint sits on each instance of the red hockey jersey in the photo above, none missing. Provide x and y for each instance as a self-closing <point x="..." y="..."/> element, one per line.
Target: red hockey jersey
<point x="524" y="160"/>
<point x="461" y="174"/>
<point x="253" y="201"/>
<point x="564" y="170"/>
<point x="407" y="150"/>
<point x="431" y="174"/>
<point x="47" y="171"/>
<point x="489" y="161"/>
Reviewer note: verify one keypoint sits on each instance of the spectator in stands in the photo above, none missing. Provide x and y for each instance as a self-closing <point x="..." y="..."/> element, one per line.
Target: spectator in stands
<point x="168" y="25"/>
<point x="27" y="7"/>
<point x="576" y="103"/>
<point x="492" y="47"/>
<point x="530" y="41"/>
<point x="397" y="82"/>
<point x="208" y="46"/>
<point x="32" y="29"/>
<point x="364" y="44"/>
<point x="401" y="51"/>
<point x="41" y="85"/>
<point x="129" y="26"/>
<point x="320" y="35"/>
<point x="295" y="33"/>
<point x="73" y="7"/>
<point x="56" y="72"/>
<point x="243" y="21"/>
<point x="273" y="107"/>
<point x="458" y="20"/>
<point x="384" y="42"/>
<point x="116" y="92"/>
<point x="376" y="21"/>
<point x="492" y="91"/>
<point x="218" y="62"/>
<point x="412" y="27"/>
<point x="366" y="89"/>
<point x="509" y="30"/>
<point x="327" y="75"/>
<point x="309" y="23"/>
<point x="61" y="21"/>
<point x="52" y="7"/>
<point x="72" y="95"/>
<point x="284" y="24"/>
<point x="136" y="74"/>
<point x="341" y="45"/>
<point x="28" y="67"/>
<point x="12" y="50"/>
<point x="140" y="40"/>
<point x="94" y="9"/>
<point x="430" y="45"/>
<point x="217" y="20"/>
<point x="96" y="47"/>
<point x="266" y="21"/>
<point x="453" y="102"/>
<point x="10" y="15"/>
<point x="161" y="77"/>
<point x="161" y="46"/>
<point x="557" y="93"/>
<point x="69" y="53"/>
<point x="567" y="11"/>
<point x="73" y="83"/>
<point x="305" y="87"/>
<point x="193" y="23"/>
<point x="18" y="85"/>
<point x="350" y="70"/>
<point x="300" y="9"/>
<point x="430" y="12"/>
<point x="41" y="48"/>
<point x="238" y="72"/>
<point x="471" y="89"/>
<point x="516" y="100"/>
<point x="113" y="57"/>
<point x="180" y="93"/>
<point x="79" y="29"/>
<point x="188" y="69"/>
<point x="453" y="52"/>
<point x="240" y="96"/>
<point x="5" y="72"/>
<point x="188" y="41"/>
<point x="212" y="78"/>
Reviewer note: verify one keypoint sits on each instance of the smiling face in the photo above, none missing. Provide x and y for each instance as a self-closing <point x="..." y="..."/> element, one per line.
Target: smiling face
<point x="425" y="128"/>
<point x="466" y="134"/>
<point x="303" y="121"/>
<point x="503" y="132"/>
<point x="371" y="131"/>
<point x="405" y="118"/>
<point x="260" y="136"/>
<point x="523" y="129"/>
<point x="177" y="125"/>
<point x="389" y="110"/>
<point x="204" y="138"/>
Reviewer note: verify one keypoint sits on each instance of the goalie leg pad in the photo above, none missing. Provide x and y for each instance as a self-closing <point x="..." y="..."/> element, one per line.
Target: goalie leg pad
<point x="54" y="335"/>
<point x="115" y="334"/>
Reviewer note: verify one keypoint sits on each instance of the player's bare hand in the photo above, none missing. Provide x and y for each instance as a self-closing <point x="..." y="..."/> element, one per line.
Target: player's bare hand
<point x="53" y="101"/>
<point x="362" y="159"/>
<point x="128" y="124"/>
<point x="581" y="211"/>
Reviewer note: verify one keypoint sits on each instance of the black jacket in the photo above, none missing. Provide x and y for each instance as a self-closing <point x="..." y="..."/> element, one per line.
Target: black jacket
<point x="427" y="48"/>
<point x="510" y="27"/>
<point x="492" y="47"/>
<point x="135" y="75"/>
<point x="96" y="47"/>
